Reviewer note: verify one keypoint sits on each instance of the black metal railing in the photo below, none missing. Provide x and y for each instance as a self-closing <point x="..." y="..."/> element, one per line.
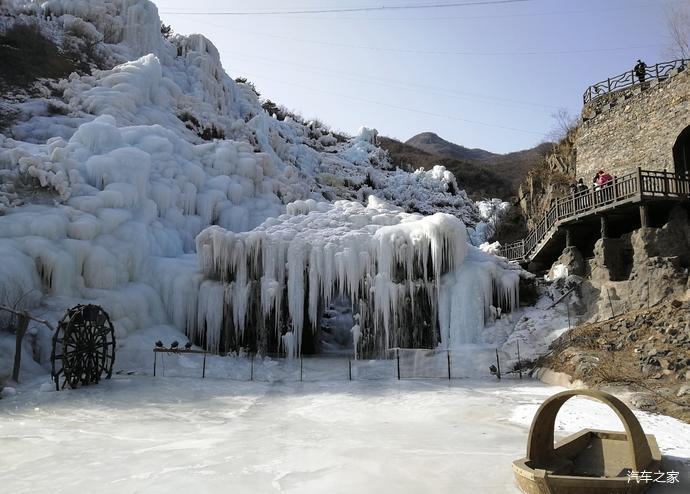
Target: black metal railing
<point x="631" y="186"/>
<point x="659" y="72"/>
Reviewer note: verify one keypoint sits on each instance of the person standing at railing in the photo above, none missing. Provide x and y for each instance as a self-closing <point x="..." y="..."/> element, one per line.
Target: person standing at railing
<point x="605" y="182"/>
<point x="640" y="70"/>
<point x="595" y="180"/>
<point x="581" y="194"/>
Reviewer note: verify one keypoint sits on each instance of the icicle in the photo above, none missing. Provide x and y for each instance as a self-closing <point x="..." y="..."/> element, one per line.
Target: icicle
<point x="376" y="256"/>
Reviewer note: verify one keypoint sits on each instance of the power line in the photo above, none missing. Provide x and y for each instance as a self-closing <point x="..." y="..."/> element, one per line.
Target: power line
<point x="397" y="107"/>
<point x="406" y="85"/>
<point x="356" y="9"/>
<point x="442" y="52"/>
<point x="471" y="17"/>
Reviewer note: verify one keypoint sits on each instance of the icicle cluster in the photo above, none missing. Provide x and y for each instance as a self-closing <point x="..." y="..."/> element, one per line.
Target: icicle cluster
<point x="382" y="259"/>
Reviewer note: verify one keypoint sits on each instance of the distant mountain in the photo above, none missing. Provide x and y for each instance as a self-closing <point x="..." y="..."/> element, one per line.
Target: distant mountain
<point x="433" y="144"/>
<point x="478" y="181"/>
<point x="512" y="167"/>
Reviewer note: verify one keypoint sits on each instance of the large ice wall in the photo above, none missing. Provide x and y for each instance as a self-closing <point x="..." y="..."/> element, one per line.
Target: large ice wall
<point x="108" y="176"/>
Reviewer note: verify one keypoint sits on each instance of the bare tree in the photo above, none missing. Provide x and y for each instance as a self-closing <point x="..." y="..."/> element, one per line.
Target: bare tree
<point x="564" y="123"/>
<point x="678" y="27"/>
<point x="13" y="301"/>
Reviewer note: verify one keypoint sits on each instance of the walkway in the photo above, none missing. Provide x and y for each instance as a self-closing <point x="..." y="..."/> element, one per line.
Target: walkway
<point x="637" y="187"/>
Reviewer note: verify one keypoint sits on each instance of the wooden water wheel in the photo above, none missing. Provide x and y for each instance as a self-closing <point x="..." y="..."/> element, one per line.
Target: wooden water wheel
<point x="83" y="347"/>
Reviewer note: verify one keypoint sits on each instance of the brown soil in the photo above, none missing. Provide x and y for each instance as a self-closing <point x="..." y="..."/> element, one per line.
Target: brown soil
<point x="646" y="351"/>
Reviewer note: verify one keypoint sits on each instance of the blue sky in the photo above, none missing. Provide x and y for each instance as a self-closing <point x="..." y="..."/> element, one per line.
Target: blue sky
<point x="488" y="76"/>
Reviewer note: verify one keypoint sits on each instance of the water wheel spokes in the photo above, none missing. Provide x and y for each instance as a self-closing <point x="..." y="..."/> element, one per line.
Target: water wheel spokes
<point x="83" y="347"/>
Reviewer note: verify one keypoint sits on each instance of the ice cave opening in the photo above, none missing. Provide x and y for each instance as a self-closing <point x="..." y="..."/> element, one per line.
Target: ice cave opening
<point x="338" y="329"/>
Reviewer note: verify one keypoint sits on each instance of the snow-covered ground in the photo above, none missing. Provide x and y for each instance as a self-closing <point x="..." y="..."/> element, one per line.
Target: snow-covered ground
<point x="140" y="434"/>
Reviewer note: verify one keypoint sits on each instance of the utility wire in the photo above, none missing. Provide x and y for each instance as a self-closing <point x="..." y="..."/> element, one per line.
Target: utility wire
<point x="442" y="52"/>
<point x="406" y="85"/>
<point x="397" y="107"/>
<point x="356" y="9"/>
<point x="470" y="17"/>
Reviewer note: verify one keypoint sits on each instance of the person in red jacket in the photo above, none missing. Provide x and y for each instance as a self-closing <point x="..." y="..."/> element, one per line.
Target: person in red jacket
<point x="603" y="178"/>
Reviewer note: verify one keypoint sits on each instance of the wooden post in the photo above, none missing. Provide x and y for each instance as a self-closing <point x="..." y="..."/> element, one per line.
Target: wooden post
<point x="640" y="190"/>
<point x="604" y="226"/>
<point x="349" y="368"/>
<point x="203" y="368"/>
<point x="568" y="237"/>
<point x="23" y="324"/>
<point x="397" y="356"/>
<point x="614" y="184"/>
<point x="644" y="216"/>
<point x="155" y="357"/>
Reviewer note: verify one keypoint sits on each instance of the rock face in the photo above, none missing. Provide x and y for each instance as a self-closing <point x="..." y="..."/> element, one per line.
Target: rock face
<point x="546" y="181"/>
<point x="641" y="268"/>
<point x="570" y="262"/>
<point x="639" y="131"/>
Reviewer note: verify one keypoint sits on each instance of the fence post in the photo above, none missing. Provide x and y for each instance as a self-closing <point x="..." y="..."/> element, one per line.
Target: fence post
<point x="349" y="368"/>
<point x="608" y="84"/>
<point x="448" y="357"/>
<point x="615" y="189"/>
<point x="608" y="294"/>
<point x="498" y="366"/>
<point x="203" y="368"/>
<point x="155" y="355"/>
<point x="397" y="356"/>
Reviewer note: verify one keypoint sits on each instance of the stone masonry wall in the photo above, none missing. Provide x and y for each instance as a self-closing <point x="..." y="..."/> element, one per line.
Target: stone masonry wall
<point x="639" y="130"/>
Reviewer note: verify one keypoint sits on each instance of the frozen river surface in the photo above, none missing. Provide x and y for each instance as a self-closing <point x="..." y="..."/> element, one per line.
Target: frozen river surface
<point x="182" y="435"/>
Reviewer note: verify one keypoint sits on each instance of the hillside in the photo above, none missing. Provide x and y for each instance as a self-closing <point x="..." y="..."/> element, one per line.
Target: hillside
<point x="479" y="182"/>
<point x="512" y="167"/>
<point x="434" y="144"/>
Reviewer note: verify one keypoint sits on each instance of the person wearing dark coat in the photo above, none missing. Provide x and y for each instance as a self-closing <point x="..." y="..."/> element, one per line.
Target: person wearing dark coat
<point x="640" y="70"/>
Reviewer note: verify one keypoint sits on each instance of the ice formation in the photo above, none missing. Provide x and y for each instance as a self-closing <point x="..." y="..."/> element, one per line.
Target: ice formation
<point x="405" y="274"/>
<point x="107" y="198"/>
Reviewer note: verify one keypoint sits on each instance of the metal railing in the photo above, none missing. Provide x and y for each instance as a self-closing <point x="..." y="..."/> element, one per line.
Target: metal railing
<point x="660" y="72"/>
<point x="632" y="186"/>
<point x="471" y="361"/>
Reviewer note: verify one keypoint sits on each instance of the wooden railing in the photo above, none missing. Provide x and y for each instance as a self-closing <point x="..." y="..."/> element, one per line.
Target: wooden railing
<point x="660" y="72"/>
<point x="634" y="186"/>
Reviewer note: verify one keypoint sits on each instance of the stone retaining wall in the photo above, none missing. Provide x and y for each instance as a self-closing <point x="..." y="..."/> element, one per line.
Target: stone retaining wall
<point x="636" y="128"/>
